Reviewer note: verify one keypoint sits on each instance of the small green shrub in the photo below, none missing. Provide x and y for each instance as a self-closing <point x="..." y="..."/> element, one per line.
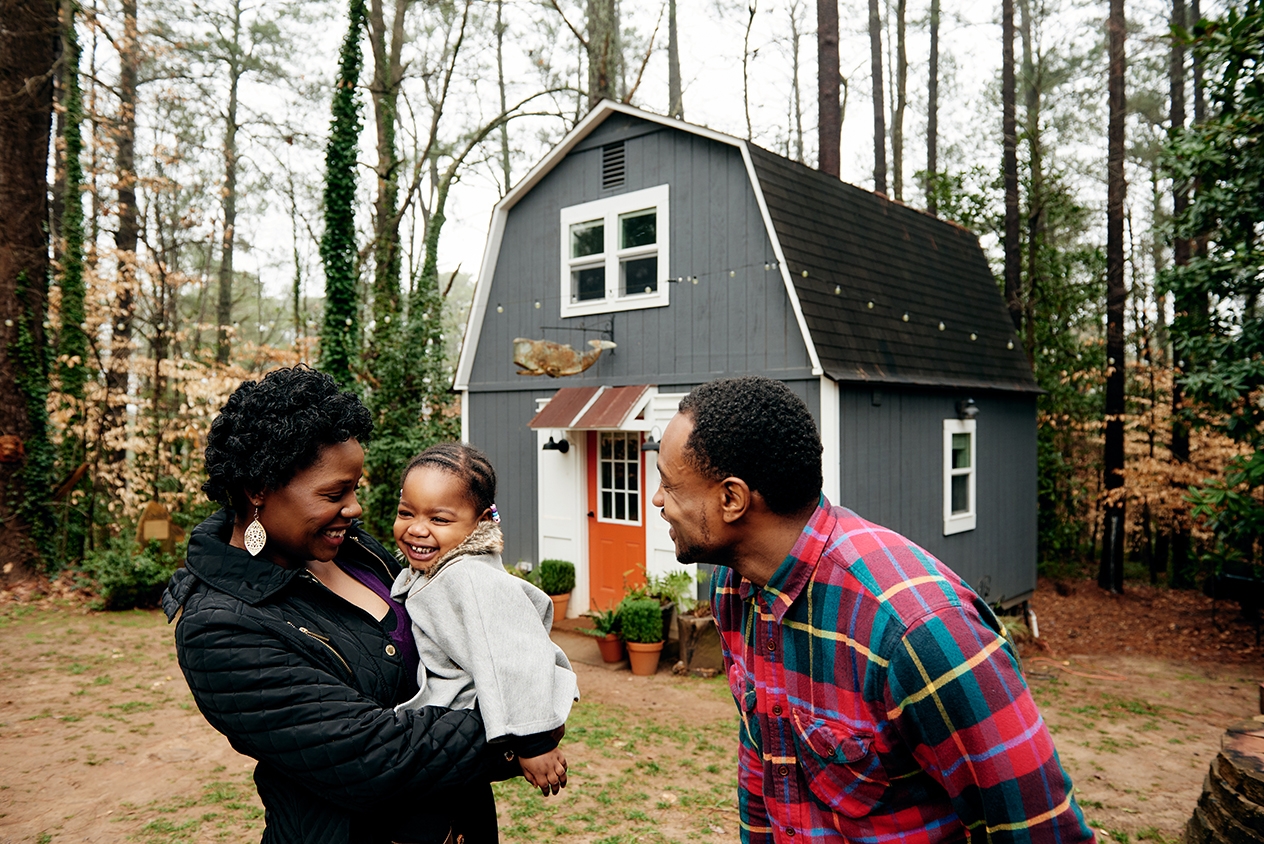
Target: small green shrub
<point x="642" y="620"/>
<point x="127" y="575"/>
<point x="557" y="577"/>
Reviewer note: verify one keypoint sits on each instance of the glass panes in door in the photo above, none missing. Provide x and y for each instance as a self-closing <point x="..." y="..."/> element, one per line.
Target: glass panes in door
<point x="619" y="476"/>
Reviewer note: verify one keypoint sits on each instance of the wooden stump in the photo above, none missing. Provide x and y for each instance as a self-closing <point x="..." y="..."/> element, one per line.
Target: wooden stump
<point x="1231" y="808"/>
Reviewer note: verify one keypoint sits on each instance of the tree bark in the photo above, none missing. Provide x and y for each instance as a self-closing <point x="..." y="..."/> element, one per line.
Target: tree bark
<point x="879" y="115"/>
<point x="127" y="235"/>
<point x="1035" y="191"/>
<point x="932" y="114"/>
<point x="827" y="87"/>
<point x="605" y="53"/>
<point x="1009" y="167"/>
<point x="1177" y="577"/>
<point x="28" y="51"/>
<point x="901" y="101"/>
<point x="796" y="105"/>
<point x="388" y="72"/>
<point x="1111" y="574"/>
<point x="500" y="84"/>
<point x="675" y="101"/>
<point x="224" y="311"/>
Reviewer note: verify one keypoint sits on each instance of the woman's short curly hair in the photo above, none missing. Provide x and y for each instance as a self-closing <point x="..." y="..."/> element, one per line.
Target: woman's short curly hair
<point x="755" y="429"/>
<point x="271" y="429"/>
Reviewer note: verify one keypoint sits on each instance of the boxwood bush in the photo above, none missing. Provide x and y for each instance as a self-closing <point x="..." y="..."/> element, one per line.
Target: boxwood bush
<point x="642" y="620"/>
<point x="557" y="577"/>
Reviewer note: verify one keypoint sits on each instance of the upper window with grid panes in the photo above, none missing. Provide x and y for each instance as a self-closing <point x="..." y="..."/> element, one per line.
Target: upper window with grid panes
<point x="615" y="253"/>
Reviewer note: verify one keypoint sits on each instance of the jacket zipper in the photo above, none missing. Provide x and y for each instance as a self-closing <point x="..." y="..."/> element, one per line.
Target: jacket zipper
<point x="324" y="640"/>
<point x="385" y="569"/>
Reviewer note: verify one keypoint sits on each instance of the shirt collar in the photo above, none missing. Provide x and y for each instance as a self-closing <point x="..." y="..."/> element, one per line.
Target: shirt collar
<point x="791" y="577"/>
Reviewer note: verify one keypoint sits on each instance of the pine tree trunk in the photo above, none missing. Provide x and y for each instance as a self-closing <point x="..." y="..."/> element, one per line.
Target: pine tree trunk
<point x="1036" y="189"/>
<point x="1111" y="574"/>
<point x="901" y="101"/>
<point x="384" y="90"/>
<point x="506" y="174"/>
<point x="932" y="114"/>
<point x="827" y="87"/>
<point x="605" y="58"/>
<point x="879" y="115"/>
<point x="224" y="310"/>
<point x="1009" y="167"/>
<point x="28" y="50"/>
<point x="675" y="98"/>
<point x="127" y="234"/>
<point x="1177" y="576"/>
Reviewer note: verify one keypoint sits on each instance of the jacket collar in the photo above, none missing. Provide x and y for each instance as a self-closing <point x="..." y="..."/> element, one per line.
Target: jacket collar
<point x="232" y="570"/>
<point x="485" y="540"/>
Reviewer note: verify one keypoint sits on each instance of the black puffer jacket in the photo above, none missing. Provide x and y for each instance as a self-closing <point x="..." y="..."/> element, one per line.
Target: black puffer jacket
<point x="305" y="682"/>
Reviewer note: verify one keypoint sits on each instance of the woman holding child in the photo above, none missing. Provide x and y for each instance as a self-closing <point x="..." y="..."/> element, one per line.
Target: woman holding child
<point x="294" y="649"/>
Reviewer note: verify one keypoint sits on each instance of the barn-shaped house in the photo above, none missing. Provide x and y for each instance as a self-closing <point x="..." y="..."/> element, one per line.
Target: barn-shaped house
<point x="700" y="256"/>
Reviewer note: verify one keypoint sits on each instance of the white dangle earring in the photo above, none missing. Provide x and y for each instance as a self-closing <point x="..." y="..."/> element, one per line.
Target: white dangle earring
<point x="256" y="536"/>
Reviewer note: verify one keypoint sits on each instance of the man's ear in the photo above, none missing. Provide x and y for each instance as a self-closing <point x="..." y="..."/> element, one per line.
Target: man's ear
<point x="735" y="499"/>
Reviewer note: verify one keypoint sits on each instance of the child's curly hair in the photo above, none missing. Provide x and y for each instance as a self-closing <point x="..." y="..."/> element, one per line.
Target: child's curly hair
<point x="467" y="463"/>
<point x="271" y="429"/>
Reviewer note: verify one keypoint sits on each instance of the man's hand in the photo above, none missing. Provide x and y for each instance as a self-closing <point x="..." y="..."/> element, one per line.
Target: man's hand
<point x="546" y="772"/>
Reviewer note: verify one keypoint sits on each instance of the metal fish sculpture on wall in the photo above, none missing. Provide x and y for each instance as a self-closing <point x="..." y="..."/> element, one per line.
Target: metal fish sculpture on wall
<point x="544" y="357"/>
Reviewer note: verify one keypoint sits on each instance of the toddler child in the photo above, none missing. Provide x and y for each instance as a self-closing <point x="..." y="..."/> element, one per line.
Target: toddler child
<point x="482" y="634"/>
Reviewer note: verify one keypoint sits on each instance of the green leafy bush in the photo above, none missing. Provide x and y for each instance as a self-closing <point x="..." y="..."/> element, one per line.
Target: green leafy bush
<point x="642" y="620"/>
<point x="126" y="575"/>
<point x="557" y="577"/>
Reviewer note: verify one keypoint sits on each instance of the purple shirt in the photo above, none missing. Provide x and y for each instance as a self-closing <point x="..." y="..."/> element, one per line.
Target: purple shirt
<point x="401" y="634"/>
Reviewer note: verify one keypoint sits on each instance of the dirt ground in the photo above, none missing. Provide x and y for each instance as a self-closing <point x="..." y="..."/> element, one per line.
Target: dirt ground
<point x="100" y="742"/>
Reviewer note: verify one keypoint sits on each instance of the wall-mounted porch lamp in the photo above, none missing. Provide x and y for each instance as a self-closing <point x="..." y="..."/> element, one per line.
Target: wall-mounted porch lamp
<point x="650" y="443"/>
<point x="967" y="409"/>
<point x="563" y="446"/>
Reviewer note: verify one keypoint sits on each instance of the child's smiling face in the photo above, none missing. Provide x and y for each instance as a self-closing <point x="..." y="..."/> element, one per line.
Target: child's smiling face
<point x="434" y="515"/>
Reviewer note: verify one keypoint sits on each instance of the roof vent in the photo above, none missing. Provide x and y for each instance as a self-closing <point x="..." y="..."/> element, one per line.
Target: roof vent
<point x="612" y="166"/>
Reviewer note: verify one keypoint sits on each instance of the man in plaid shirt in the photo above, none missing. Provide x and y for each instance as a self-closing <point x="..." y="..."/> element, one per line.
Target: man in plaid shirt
<point x="879" y="697"/>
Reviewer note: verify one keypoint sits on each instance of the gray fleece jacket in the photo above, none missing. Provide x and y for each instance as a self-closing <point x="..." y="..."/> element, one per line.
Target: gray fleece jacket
<point x="483" y="635"/>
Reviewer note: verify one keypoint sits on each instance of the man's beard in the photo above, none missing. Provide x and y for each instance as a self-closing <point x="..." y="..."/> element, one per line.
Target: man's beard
<point x="697" y="550"/>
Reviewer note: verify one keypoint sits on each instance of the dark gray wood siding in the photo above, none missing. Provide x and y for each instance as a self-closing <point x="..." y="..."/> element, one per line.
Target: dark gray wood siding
<point x="892" y="473"/>
<point x="721" y="326"/>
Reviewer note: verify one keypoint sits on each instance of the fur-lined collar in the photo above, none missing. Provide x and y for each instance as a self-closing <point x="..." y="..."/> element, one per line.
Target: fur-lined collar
<point x="485" y="540"/>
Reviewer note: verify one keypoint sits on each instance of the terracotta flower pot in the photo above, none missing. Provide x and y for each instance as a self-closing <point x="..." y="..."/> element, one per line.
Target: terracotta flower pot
<point x="611" y="647"/>
<point x="644" y="657"/>
<point x="560" y="603"/>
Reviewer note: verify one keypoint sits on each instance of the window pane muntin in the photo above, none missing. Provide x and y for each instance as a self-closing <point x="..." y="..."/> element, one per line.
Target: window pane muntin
<point x="588" y="238"/>
<point x="638" y="228"/>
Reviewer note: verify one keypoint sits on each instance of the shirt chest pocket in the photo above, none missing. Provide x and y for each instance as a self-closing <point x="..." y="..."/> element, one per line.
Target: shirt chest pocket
<point x="841" y="766"/>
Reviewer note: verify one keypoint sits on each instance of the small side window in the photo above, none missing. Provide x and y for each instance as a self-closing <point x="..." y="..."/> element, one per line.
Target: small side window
<point x="960" y="509"/>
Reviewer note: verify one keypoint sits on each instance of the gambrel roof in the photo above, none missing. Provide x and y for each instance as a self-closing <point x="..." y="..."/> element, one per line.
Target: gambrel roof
<point x="882" y="293"/>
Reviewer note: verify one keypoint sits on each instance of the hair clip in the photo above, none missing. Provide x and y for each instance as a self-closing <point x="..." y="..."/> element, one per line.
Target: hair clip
<point x="495" y="514"/>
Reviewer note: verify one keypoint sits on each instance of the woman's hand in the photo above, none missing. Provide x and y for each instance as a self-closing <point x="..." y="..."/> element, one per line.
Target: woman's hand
<point x="546" y="772"/>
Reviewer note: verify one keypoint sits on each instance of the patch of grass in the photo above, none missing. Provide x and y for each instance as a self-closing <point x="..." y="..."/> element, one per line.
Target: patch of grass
<point x="133" y="706"/>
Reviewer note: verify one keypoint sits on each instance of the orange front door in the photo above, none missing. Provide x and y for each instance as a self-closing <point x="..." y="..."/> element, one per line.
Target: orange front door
<point x="616" y="515"/>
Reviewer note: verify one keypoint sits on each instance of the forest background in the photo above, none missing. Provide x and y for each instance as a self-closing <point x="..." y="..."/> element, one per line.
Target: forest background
<point x="198" y="192"/>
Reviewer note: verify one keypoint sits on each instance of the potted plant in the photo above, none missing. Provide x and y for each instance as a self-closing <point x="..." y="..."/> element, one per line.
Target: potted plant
<point x="674" y="591"/>
<point x="642" y="620"/>
<point x="605" y="629"/>
<point x="557" y="579"/>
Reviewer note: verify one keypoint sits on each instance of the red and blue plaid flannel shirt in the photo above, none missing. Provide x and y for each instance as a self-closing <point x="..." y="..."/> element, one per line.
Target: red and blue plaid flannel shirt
<point x="881" y="702"/>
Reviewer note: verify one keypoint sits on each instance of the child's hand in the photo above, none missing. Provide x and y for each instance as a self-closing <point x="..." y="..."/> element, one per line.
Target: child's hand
<point x="546" y="772"/>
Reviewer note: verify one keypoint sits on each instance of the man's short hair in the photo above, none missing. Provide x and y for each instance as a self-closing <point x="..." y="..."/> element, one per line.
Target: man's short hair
<point x="755" y="429"/>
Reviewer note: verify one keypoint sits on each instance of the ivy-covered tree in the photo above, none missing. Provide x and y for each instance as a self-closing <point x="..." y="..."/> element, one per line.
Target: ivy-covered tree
<point x="72" y="338"/>
<point x="1220" y="346"/>
<point x="339" y="336"/>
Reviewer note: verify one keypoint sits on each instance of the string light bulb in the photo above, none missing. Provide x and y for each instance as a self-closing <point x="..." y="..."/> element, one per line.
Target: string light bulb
<point x="500" y="309"/>
<point x="1009" y="344"/>
<point x="838" y="290"/>
<point x="974" y="336"/>
<point x="905" y="317"/>
<point x="941" y="326"/>
<point x="805" y="273"/>
<point x="870" y="305"/>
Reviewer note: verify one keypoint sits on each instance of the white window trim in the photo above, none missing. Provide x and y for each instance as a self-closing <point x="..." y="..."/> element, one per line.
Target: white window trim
<point x="960" y="522"/>
<point x="609" y="210"/>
